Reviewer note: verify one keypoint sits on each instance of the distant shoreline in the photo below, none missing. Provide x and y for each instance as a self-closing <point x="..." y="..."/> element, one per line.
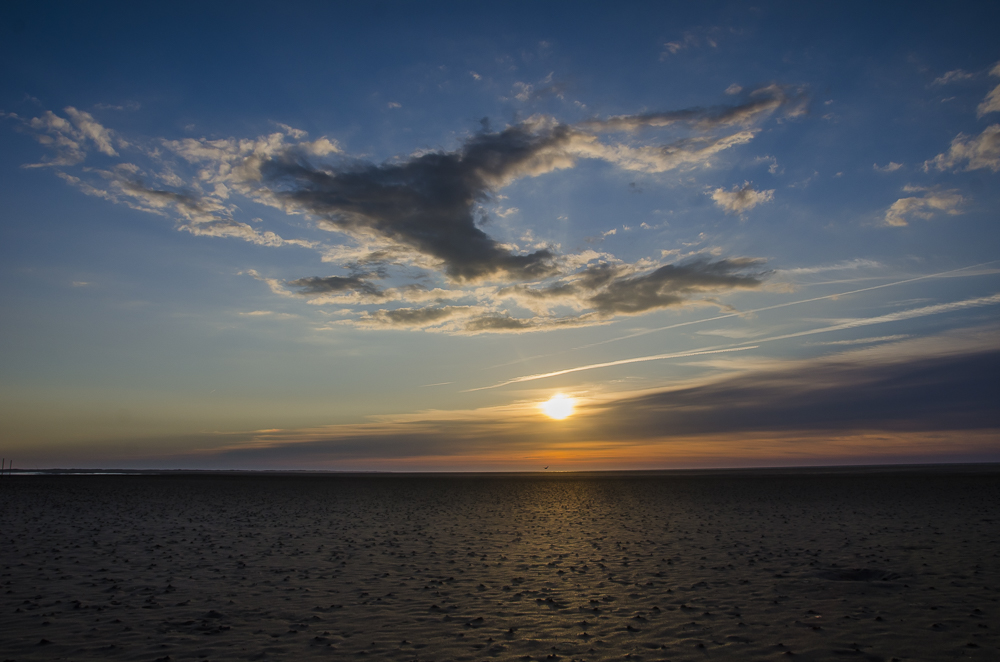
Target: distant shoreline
<point x="951" y="468"/>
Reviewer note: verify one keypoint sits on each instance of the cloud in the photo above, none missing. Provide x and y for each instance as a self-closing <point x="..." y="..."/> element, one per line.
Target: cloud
<point x="979" y="152"/>
<point x="608" y="289"/>
<point x="772" y="162"/>
<point x="982" y="151"/>
<point x="595" y="294"/>
<point x="205" y="216"/>
<point x="129" y="106"/>
<point x="201" y="212"/>
<point x="862" y="341"/>
<point x="504" y="213"/>
<point x="675" y="47"/>
<point x="89" y="127"/>
<point x="334" y="284"/>
<point x="544" y="88"/>
<point x="684" y="154"/>
<point x="407" y="231"/>
<point x="269" y="314"/>
<point x="857" y="263"/>
<point x="890" y="167"/>
<point x="741" y="199"/>
<point x="971" y="270"/>
<point x="898" y="316"/>
<point x="412" y="318"/>
<point x="692" y="39"/>
<point x="425" y="205"/>
<point x="237" y="230"/>
<point x="610" y="364"/>
<point x="673" y="284"/>
<point x="925" y="206"/>
<point x="913" y="313"/>
<point x="756" y="105"/>
<point x="991" y="104"/>
<point x="70" y="140"/>
<point x="59" y="135"/>
<point x="951" y="77"/>
<point x="937" y="389"/>
<point x="463" y="320"/>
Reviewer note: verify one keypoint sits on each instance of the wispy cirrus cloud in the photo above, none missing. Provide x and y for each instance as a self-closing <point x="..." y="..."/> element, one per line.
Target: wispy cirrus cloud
<point x="534" y="91"/>
<point x="67" y="141"/>
<point x="268" y="314"/>
<point x="755" y="105"/>
<point x="952" y="76"/>
<point x="693" y="38"/>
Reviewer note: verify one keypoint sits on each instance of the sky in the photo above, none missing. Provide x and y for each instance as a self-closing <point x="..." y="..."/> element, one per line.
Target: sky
<point x="381" y="236"/>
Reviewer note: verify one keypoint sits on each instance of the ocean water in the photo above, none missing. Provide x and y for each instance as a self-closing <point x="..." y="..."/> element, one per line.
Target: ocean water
<point x="871" y="564"/>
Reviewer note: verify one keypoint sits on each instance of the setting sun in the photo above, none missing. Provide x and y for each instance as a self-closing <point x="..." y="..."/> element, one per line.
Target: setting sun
<point x="558" y="406"/>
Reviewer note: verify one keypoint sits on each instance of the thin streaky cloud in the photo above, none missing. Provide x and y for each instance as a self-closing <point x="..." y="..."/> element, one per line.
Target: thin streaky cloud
<point x="862" y="341"/>
<point x="840" y="266"/>
<point x="609" y="364"/>
<point x="952" y="76"/>
<point x="913" y="313"/>
<point x="644" y="332"/>
<point x="944" y="274"/>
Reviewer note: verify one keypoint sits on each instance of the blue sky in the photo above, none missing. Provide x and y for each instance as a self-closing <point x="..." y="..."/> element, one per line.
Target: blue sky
<point x="378" y="236"/>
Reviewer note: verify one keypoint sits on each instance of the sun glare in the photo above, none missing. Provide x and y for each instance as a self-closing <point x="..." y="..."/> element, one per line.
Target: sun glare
<point x="558" y="406"/>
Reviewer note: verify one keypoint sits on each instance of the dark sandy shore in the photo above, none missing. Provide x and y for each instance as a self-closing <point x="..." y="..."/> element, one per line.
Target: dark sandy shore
<point x="868" y="565"/>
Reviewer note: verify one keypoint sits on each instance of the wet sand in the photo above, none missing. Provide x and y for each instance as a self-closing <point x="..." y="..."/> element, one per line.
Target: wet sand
<point x="810" y="565"/>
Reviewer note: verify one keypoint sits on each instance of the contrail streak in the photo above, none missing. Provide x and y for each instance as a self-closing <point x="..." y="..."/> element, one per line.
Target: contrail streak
<point x="936" y="309"/>
<point x="785" y="305"/>
<point x="913" y="313"/>
<point x="593" y="366"/>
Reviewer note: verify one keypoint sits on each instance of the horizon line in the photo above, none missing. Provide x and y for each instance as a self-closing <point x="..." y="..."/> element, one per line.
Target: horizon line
<point x="993" y="464"/>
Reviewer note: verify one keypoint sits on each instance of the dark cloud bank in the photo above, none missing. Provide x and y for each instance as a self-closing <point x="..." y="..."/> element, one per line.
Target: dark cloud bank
<point x="939" y="393"/>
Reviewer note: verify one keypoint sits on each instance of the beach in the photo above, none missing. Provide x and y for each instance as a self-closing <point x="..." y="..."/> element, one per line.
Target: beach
<point x="811" y="564"/>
